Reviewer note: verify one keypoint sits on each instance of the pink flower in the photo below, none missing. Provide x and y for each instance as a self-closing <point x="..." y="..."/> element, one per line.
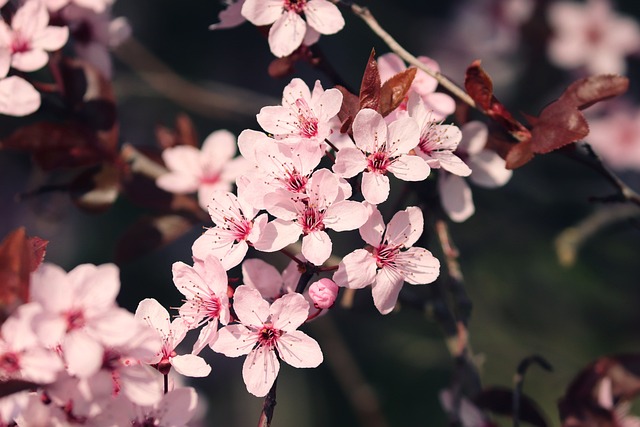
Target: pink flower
<point x="171" y="333"/>
<point x="304" y="116"/>
<point x="267" y="333"/>
<point x="323" y="293"/>
<point x="616" y="138"/>
<point x="440" y="104"/>
<point x="21" y="355"/>
<point x="592" y="35"/>
<point x="380" y="150"/>
<point x="289" y="29"/>
<point x="387" y="264"/>
<point x="205" y="287"/>
<point x="18" y="97"/>
<point x="323" y="207"/>
<point x="236" y="227"/>
<point x="29" y="38"/>
<point x="205" y="171"/>
<point x="97" y="6"/>
<point x="437" y="141"/>
<point x="264" y="277"/>
<point x="488" y="170"/>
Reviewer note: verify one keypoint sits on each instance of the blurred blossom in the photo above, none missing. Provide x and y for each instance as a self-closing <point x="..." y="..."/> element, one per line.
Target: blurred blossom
<point x="616" y="138"/>
<point x="592" y="35"/>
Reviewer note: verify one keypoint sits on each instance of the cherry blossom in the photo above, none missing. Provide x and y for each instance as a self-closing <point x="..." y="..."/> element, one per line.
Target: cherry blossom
<point x="391" y="260"/>
<point x="18" y="97"/>
<point x="592" y="35"/>
<point x="437" y="141"/>
<point x="236" y="227"/>
<point x="176" y="409"/>
<point x="616" y="138"/>
<point x="21" y="355"/>
<point x="440" y="104"/>
<point x="97" y="6"/>
<point x="80" y="313"/>
<point x="29" y="38"/>
<point x="289" y="29"/>
<point x="205" y="287"/>
<point x="205" y="171"/>
<point x="171" y="333"/>
<point x="264" y="277"/>
<point x="379" y="150"/>
<point x="488" y="170"/>
<point x="304" y="116"/>
<point x="265" y="334"/>
<point x="324" y="207"/>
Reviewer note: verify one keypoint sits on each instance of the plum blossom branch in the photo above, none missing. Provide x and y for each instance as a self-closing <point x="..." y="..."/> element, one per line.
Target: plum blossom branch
<point x="366" y="15"/>
<point x="268" y="406"/>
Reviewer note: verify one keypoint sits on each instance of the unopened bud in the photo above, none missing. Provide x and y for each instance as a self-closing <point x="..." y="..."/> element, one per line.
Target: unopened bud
<point x="323" y="293"/>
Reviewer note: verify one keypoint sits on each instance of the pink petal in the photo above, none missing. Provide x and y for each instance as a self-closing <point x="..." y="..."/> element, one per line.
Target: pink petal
<point x="190" y="365"/>
<point x="260" y="370"/>
<point x="155" y="315"/>
<point x="424" y="267"/>
<point x="178" y="182"/>
<point x="286" y="34"/>
<point x="453" y="164"/>
<point x="390" y="64"/>
<point x="346" y="215"/>
<point x="440" y="104"/>
<point x="5" y="61"/>
<point x="423" y="83"/>
<point x="278" y="234"/>
<point x="404" y="135"/>
<point x="474" y="137"/>
<point x="234" y="341"/>
<point x="289" y="312"/>
<point x="141" y="384"/>
<point x="405" y="227"/>
<point x="51" y="38"/>
<point x="250" y="307"/>
<point x="40" y="365"/>
<point x="217" y="149"/>
<point x="410" y="168"/>
<point x="278" y="120"/>
<point x="213" y="274"/>
<point x="262" y="276"/>
<point x="96" y="287"/>
<point x="299" y="350"/>
<point x="83" y="354"/>
<point x="18" y="97"/>
<point x="323" y="16"/>
<point x="375" y="187"/>
<point x="30" y="19"/>
<point x="357" y="270"/>
<point x="179" y="406"/>
<point x="51" y="288"/>
<point x="455" y="196"/>
<point x="385" y="290"/>
<point x="31" y="60"/>
<point x="372" y="230"/>
<point x="207" y="336"/>
<point x="349" y="162"/>
<point x="489" y="170"/>
<point x="183" y="158"/>
<point x="230" y="17"/>
<point x="328" y="104"/>
<point x="262" y="12"/>
<point x="316" y="247"/>
<point x="369" y="130"/>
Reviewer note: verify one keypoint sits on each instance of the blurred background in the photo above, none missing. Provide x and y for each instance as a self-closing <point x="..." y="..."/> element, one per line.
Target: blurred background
<point x="524" y="300"/>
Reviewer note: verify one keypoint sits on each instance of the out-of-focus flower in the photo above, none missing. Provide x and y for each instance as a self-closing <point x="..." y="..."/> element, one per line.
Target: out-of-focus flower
<point x="18" y="97"/>
<point x="592" y="35"/>
<point x="97" y="6"/>
<point x="266" y="333"/>
<point x="616" y="138"/>
<point x="488" y="170"/>
<point x="231" y="16"/>
<point x="289" y="29"/>
<point x="208" y="170"/>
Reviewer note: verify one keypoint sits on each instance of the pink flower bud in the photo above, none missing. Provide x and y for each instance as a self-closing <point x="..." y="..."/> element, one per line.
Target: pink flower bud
<point x="323" y="293"/>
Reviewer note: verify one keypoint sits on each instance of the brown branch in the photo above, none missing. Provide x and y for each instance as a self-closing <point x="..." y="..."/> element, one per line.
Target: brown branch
<point x="371" y="21"/>
<point x="268" y="406"/>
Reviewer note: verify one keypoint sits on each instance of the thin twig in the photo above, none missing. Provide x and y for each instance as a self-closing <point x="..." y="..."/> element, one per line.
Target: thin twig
<point x="519" y="382"/>
<point x="268" y="406"/>
<point x="371" y="21"/>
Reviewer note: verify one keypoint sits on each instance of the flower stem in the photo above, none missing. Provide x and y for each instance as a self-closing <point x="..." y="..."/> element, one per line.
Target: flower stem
<point x="268" y="406"/>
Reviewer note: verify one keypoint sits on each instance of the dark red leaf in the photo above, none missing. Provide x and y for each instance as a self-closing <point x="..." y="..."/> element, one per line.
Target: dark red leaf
<point x="587" y="91"/>
<point x="499" y="400"/>
<point x="150" y="233"/>
<point x="96" y="189"/>
<point x="395" y="90"/>
<point x="16" y="262"/>
<point x="479" y="86"/>
<point x="39" y="250"/>
<point x="371" y="85"/>
<point x="348" y="110"/>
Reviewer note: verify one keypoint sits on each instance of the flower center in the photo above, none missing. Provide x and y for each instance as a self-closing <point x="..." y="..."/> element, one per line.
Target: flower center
<point x="19" y="44"/>
<point x="295" y="182"/>
<point x="378" y="162"/>
<point x="385" y="255"/>
<point x="9" y="364"/>
<point x="307" y="121"/>
<point x="268" y="336"/>
<point x="296" y="6"/>
<point x="75" y="319"/>
<point x="311" y="219"/>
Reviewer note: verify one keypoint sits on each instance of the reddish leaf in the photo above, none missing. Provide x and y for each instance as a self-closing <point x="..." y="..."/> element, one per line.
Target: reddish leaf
<point x="96" y="189"/>
<point x="587" y="91"/>
<point x="184" y="133"/>
<point x="395" y="90"/>
<point x="499" y="400"/>
<point x="39" y="250"/>
<point x="519" y="155"/>
<point x="348" y="110"/>
<point x="150" y="233"/>
<point x="16" y="263"/>
<point x="371" y="85"/>
<point x="479" y="86"/>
